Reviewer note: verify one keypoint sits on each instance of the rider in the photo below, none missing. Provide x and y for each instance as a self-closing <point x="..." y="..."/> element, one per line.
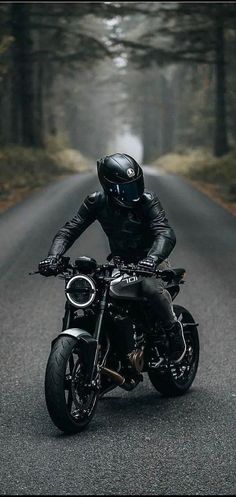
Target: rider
<point x="137" y="229"/>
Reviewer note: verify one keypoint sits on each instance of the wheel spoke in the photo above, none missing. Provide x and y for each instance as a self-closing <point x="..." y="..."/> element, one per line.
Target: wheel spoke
<point x="69" y="401"/>
<point x="181" y="371"/>
<point x="78" y="402"/>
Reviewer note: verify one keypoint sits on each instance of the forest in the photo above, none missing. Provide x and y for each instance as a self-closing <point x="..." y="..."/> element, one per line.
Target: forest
<point x="74" y="75"/>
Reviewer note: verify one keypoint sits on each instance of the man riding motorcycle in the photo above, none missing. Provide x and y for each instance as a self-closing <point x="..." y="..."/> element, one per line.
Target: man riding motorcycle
<point x="138" y="232"/>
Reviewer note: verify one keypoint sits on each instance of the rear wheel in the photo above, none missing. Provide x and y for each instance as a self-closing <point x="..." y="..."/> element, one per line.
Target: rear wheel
<point x="177" y="379"/>
<point x="71" y="405"/>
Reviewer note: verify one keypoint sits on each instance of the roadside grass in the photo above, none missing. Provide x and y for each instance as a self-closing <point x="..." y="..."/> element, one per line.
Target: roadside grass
<point x="23" y="170"/>
<point x="214" y="176"/>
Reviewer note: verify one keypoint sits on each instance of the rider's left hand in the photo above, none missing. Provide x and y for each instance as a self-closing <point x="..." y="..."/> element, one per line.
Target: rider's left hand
<point x="148" y="263"/>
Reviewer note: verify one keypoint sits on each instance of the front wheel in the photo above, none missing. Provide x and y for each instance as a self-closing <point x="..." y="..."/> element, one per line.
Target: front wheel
<point x="71" y="405"/>
<point x="177" y="379"/>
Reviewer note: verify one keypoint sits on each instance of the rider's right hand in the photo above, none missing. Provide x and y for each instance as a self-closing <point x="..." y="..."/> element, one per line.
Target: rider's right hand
<point x="49" y="266"/>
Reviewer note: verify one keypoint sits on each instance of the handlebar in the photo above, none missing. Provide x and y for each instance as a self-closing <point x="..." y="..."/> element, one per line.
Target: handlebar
<point x="133" y="269"/>
<point x="129" y="269"/>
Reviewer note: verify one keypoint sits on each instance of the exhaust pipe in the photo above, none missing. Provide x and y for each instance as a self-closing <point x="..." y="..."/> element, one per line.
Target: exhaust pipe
<point x="121" y="380"/>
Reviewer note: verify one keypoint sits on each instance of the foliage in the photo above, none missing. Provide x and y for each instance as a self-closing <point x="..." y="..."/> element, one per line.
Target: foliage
<point x="200" y="165"/>
<point x="24" y="169"/>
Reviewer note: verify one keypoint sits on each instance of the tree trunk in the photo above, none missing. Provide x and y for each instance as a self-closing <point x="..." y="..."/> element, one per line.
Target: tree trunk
<point x="23" y="86"/>
<point x="167" y="119"/>
<point x="39" y="118"/>
<point x="221" y="142"/>
<point x="150" y="119"/>
<point x="15" y="131"/>
<point x="50" y="125"/>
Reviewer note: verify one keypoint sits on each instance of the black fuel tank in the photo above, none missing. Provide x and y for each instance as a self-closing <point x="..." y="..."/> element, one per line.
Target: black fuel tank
<point x="126" y="287"/>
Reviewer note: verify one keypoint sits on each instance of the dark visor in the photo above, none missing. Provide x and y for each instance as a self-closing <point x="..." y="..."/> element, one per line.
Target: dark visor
<point x="130" y="191"/>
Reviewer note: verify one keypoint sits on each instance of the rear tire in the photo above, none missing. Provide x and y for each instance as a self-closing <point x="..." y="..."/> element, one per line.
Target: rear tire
<point x="178" y="378"/>
<point x="70" y="406"/>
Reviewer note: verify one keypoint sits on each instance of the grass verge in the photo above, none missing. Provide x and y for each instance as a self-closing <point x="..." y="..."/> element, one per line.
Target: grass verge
<point x="23" y="170"/>
<point x="214" y="176"/>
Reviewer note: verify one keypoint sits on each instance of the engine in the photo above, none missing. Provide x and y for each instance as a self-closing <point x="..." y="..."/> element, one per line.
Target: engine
<point x="131" y="337"/>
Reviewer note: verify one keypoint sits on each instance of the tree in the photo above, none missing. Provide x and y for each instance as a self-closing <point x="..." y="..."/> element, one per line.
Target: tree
<point x="190" y="33"/>
<point x="54" y="38"/>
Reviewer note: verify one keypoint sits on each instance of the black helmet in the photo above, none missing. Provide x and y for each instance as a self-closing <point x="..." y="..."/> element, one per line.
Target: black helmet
<point x="121" y="178"/>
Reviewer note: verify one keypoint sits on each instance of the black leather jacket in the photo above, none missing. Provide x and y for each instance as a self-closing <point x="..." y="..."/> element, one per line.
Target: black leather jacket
<point x="132" y="233"/>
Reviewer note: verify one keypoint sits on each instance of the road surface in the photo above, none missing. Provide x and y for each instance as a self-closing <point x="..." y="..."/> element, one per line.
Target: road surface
<point x="138" y="443"/>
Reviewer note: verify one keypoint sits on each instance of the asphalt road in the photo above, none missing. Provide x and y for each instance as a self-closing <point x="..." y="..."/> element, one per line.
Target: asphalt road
<point x="138" y="443"/>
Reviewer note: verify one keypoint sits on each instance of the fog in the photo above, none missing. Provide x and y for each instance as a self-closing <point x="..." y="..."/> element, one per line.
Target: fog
<point x="128" y="143"/>
<point x="104" y="81"/>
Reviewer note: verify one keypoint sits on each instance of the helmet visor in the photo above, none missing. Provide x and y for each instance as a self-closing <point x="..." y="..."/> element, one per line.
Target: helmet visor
<point x="127" y="192"/>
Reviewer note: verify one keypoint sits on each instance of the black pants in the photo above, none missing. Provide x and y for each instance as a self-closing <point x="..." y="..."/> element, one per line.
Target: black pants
<point x="160" y="299"/>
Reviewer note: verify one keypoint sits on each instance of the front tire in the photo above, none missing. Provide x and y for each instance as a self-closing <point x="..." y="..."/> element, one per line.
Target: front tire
<point x="70" y="406"/>
<point x="178" y="378"/>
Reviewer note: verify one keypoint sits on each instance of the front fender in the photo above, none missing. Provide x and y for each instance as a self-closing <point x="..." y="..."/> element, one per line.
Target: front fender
<point x="76" y="333"/>
<point x="89" y="344"/>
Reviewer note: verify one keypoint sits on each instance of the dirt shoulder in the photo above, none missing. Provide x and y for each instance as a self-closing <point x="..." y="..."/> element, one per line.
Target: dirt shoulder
<point x="24" y="170"/>
<point x="216" y="177"/>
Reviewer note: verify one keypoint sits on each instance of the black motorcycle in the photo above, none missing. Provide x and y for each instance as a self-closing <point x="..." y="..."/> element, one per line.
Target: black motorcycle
<point x="109" y="338"/>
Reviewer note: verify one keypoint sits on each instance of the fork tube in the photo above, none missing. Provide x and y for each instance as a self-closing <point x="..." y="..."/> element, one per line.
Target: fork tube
<point x="100" y="317"/>
<point x="98" y="326"/>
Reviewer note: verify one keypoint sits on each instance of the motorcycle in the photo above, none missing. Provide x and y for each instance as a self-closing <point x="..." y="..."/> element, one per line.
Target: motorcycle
<point x="110" y="338"/>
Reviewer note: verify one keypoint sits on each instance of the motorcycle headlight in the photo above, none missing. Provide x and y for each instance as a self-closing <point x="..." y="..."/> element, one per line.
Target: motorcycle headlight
<point x="80" y="291"/>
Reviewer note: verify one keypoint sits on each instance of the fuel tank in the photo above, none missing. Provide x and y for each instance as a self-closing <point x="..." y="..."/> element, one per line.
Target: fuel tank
<point x="126" y="287"/>
<point x="129" y="288"/>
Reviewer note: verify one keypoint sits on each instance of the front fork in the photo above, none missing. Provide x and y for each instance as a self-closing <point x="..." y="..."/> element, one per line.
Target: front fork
<point x="66" y="323"/>
<point x="67" y="317"/>
<point x="98" y="327"/>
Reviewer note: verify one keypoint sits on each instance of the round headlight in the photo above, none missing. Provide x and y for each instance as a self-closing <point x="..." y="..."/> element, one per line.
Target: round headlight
<point x="80" y="291"/>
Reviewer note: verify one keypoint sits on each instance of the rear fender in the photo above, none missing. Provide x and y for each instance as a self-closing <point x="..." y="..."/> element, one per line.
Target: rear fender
<point x="89" y="344"/>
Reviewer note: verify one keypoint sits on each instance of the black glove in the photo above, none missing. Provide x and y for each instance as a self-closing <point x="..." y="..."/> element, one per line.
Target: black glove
<point x="148" y="263"/>
<point x="49" y="266"/>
